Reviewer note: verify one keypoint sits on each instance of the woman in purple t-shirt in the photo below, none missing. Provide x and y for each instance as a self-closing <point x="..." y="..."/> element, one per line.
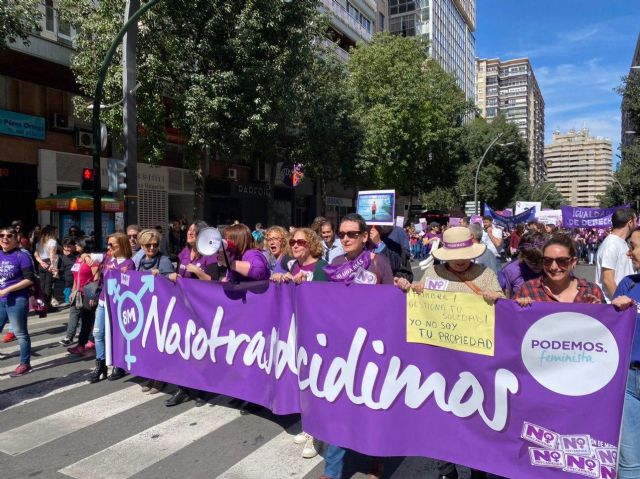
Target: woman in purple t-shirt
<point x="16" y="276"/>
<point x="192" y="264"/>
<point x="246" y="263"/>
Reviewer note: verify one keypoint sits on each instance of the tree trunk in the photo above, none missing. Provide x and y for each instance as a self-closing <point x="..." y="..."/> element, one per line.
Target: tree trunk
<point x="273" y="162"/>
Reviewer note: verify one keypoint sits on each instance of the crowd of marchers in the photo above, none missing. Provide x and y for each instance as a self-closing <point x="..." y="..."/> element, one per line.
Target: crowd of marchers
<point x="527" y="263"/>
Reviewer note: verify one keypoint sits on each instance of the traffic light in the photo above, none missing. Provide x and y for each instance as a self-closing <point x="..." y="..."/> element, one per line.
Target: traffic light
<point x="117" y="173"/>
<point x="87" y="179"/>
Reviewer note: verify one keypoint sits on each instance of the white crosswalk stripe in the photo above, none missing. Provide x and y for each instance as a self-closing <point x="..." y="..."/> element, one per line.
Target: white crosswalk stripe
<point x="138" y="452"/>
<point x="272" y="459"/>
<point x="34" y="434"/>
<point x="4" y="372"/>
<point x="15" y="347"/>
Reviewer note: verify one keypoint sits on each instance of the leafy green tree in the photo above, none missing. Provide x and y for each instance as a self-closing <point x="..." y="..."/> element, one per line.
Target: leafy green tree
<point x="411" y="112"/>
<point x="630" y="91"/>
<point x="18" y="18"/>
<point x="504" y="169"/>
<point x="625" y="187"/>
<point x="231" y="74"/>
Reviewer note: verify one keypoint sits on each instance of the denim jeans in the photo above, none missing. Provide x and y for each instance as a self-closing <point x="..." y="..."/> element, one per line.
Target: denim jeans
<point x="98" y="332"/>
<point x="629" y="465"/>
<point x="334" y="461"/>
<point x="16" y="311"/>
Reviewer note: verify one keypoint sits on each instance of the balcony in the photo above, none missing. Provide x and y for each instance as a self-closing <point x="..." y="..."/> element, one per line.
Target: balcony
<point x="342" y="54"/>
<point x="341" y="13"/>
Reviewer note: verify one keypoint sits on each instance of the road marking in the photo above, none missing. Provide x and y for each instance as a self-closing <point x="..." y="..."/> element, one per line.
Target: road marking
<point x="279" y="457"/>
<point x="35" y="392"/>
<point x="136" y="453"/>
<point x="42" y="361"/>
<point x="42" y="431"/>
<point x="34" y="344"/>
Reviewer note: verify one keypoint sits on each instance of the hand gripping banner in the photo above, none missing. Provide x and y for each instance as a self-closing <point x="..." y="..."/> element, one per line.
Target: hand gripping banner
<point x="512" y="391"/>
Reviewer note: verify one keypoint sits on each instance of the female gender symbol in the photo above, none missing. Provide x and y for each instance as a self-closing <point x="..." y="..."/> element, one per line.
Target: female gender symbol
<point x="114" y="290"/>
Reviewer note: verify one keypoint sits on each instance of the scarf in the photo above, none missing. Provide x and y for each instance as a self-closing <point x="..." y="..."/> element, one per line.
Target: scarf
<point x="348" y="271"/>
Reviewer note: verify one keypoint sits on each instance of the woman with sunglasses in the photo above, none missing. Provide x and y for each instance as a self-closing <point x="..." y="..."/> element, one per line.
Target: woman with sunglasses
<point x="357" y="266"/>
<point x="557" y="283"/>
<point x="306" y="264"/>
<point x="16" y="277"/>
<point x="275" y="241"/>
<point x="84" y="270"/>
<point x="193" y="265"/>
<point x="118" y="259"/>
<point x="527" y="266"/>
<point x="155" y="263"/>
<point x="246" y="263"/>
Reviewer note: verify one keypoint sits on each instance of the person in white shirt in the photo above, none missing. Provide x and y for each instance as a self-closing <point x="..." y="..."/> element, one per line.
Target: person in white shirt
<point x="492" y="236"/>
<point x="331" y="248"/>
<point x="612" y="262"/>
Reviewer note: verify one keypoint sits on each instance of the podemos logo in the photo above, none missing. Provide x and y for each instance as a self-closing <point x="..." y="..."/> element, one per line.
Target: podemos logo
<point x="570" y="353"/>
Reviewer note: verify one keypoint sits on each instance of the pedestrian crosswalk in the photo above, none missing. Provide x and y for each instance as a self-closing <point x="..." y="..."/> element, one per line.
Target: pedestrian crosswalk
<point x="55" y="424"/>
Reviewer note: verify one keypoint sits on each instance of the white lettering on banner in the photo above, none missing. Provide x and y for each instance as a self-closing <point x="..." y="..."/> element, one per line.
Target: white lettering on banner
<point x="465" y="399"/>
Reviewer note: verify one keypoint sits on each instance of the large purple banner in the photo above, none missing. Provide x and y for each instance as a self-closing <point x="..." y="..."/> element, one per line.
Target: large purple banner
<point x="576" y="217"/>
<point x="339" y="355"/>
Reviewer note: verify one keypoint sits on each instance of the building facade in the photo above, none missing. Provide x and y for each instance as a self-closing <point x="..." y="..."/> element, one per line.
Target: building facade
<point x="580" y="166"/>
<point x="44" y="146"/>
<point x="449" y="26"/>
<point x="629" y="131"/>
<point x="510" y="88"/>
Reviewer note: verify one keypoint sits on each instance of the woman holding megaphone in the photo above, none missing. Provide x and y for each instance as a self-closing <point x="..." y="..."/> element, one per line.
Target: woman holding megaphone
<point x="193" y="264"/>
<point x="243" y="261"/>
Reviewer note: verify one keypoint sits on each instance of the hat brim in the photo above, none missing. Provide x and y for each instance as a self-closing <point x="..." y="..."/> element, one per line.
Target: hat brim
<point x="470" y="252"/>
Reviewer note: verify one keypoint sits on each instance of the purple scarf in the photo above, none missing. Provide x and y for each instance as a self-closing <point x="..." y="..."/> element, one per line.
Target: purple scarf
<point x="348" y="271"/>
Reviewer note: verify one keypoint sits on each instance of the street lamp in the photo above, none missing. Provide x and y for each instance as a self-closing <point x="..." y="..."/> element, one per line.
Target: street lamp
<point x="475" y="186"/>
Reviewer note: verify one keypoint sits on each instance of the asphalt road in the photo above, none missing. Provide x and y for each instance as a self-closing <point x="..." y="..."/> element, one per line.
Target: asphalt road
<point x="53" y="424"/>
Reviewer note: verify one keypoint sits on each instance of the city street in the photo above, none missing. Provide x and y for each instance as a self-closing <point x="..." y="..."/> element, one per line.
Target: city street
<point x="54" y="424"/>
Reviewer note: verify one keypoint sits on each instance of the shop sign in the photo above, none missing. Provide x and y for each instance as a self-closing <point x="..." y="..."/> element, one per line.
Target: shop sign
<point x="251" y="190"/>
<point x="18" y="124"/>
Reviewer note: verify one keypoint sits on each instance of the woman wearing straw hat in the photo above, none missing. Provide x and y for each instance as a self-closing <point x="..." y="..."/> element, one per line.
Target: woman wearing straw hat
<point x="461" y="275"/>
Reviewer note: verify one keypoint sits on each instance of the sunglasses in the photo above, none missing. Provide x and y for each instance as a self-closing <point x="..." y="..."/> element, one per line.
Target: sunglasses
<point x="135" y="237"/>
<point x="111" y="245"/>
<point x="349" y="234"/>
<point x="7" y="235"/>
<point x="299" y="242"/>
<point x="562" y="262"/>
<point x="150" y="245"/>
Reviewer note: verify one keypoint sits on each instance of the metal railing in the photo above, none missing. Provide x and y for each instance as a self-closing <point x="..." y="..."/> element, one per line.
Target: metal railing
<point x="341" y="12"/>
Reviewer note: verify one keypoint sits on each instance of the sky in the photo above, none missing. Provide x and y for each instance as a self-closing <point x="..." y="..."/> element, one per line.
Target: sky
<point x="579" y="50"/>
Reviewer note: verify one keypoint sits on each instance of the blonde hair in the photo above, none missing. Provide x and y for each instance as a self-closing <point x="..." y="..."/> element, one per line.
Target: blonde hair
<point x="315" y="245"/>
<point x="280" y="231"/>
<point x="147" y="235"/>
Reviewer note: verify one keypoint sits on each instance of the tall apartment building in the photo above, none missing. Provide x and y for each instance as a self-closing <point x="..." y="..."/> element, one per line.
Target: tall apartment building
<point x="627" y="137"/>
<point x="580" y="166"/>
<point x="354" y="21"/>
<point x="510" y="88"/>
<point x="449" y="25"/>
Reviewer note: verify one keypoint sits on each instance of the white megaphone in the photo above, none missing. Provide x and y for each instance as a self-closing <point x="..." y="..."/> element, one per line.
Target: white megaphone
<point x="208" y="241"/>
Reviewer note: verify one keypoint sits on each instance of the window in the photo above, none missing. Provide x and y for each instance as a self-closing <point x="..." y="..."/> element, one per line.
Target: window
<point x="49" y="16"/>
<point x="381" y="22"/>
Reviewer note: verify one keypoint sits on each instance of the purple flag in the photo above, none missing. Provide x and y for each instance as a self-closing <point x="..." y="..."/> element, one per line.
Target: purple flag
<point x="575" y="217"/>
<point x="339" y="355"/>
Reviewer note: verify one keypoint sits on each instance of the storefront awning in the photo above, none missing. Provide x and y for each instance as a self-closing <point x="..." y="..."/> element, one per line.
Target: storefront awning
<point x="78" y="200"/>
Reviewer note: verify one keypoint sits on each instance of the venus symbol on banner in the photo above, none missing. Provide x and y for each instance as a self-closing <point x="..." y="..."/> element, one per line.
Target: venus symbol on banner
<point x="132" y="315"/>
